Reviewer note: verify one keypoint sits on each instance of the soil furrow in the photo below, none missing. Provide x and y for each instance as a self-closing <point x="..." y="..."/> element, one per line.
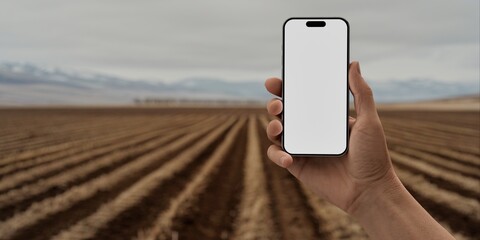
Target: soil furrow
<point x="211" y="216"/>
<point x="143" y="199"/>
<point x="468" y="187"/>
<point x="435" y="130"/>
<point x="464" y="158"/>
<point x="64" y="136"/>
<point x="57" y="167"/>
<point x="255" y="214"/>
<point x="458" y="145"/>
<point x="458" y="222"/>
<point x="19" y="200"/>
<point x="290" y="206"/>
<point x="446" y="198"/>
<point x="446" y="164"/>
<point x="105" y="132"/>
<point x="90" y="145"/>
<point x="80" y="201"/>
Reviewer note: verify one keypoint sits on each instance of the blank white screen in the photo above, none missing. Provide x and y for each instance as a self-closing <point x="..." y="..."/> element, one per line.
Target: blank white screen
<point x="315" y="87"/>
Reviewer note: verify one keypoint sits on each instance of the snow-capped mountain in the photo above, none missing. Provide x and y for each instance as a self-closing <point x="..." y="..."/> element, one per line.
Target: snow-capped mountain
<point x="24" y="84"/>
<point x="422" y="89"/>
<point x="27" y="84"/>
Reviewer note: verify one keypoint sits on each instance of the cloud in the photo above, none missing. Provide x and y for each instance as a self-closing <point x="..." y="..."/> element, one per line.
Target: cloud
<point x="172" y="40"/>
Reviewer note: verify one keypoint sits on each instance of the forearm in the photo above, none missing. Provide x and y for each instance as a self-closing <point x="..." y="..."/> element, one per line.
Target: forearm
<point x="390" y="212"/>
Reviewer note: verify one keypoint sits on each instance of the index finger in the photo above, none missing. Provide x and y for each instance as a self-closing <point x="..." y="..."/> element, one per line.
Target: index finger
<point x="274" y="86"/>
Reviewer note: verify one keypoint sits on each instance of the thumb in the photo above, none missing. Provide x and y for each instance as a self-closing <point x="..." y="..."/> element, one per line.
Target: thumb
<point x="362" y="93"/>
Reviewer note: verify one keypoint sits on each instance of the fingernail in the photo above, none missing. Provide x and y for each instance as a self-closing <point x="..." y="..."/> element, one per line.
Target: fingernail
<point x="281" y="129"/>
<point x="359" y="71"/>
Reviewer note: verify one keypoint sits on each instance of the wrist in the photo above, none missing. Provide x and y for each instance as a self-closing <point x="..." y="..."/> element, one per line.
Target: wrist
<point x="386" y="210"/>
<point x="384" y="193"/>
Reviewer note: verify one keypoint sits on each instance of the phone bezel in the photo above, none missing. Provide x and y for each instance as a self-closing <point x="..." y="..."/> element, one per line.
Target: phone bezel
<point x="283" y="88"/>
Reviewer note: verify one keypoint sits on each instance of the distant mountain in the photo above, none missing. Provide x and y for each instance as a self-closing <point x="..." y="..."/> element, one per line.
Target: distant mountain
<point x="27" y="84"/>
<point x="421" y="89"/>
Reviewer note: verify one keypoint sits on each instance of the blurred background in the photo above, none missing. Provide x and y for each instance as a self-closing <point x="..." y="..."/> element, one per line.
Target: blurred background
<point x="103" y="105"/>
<point x="107" y="52"/>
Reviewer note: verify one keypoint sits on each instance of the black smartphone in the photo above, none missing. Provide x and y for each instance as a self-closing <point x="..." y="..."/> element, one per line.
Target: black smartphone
<point x="315" y="86"/>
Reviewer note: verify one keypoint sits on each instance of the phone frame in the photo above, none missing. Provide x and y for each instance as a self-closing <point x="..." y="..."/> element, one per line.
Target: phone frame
<point x="347" y="64"/>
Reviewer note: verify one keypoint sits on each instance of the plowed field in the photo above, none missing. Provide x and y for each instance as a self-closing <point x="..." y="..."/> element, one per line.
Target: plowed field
<point x="202" y="173"/>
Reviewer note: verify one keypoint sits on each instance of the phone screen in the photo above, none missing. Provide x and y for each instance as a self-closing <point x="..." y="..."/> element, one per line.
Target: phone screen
<point x="315" y="86"/>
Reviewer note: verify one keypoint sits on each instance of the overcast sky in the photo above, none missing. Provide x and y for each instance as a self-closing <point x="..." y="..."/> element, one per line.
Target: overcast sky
<point x="235" y="41"/>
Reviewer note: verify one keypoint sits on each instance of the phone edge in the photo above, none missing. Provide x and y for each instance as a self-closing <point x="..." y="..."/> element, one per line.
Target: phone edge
<point x="348" y="88"/>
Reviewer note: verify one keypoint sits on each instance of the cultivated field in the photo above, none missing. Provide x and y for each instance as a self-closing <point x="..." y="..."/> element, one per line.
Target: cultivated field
<point x="185" y="173"/>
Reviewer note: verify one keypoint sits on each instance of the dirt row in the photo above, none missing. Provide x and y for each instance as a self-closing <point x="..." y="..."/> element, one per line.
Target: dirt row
<point x="20" y="198"/>
<point x="462" y="119"/>
<point x="204" y="174"/>
<point x="17" y="164"/>
<point x="129" y="204"/>
<point x="81" y="200"/>
<point x="58" y="135"/>
<point x="195" y="213"/>
<point x="463" y="145"/>
<point x="437" y="161"/>
<point x="50" y="168"/>
<point x="77" y="145"/>
<point x="446" y="179"/>
<point x="444" y="152"/>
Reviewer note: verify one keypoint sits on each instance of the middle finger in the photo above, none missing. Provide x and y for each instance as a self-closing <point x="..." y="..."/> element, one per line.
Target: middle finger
<point x="275" y="107"/>
<point x="274" y="130"/>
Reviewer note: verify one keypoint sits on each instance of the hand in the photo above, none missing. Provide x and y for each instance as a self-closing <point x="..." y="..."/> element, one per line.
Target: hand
<point x="340" y="180"/>
<point x="362" y="182"/>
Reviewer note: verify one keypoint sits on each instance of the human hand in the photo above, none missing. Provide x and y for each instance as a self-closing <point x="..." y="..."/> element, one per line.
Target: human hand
<point x="340" y="180"/>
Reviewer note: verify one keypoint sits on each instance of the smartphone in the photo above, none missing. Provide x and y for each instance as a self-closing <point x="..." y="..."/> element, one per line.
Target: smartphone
<point x="315" y="86"/>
